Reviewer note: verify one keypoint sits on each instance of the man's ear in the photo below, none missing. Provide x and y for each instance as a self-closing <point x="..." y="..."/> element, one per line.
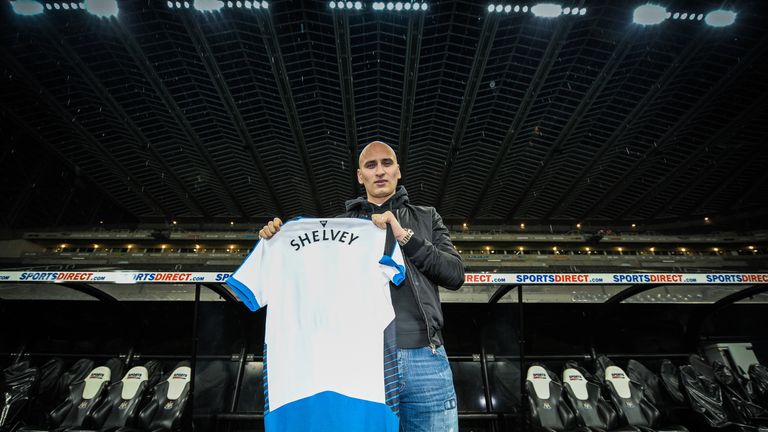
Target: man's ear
<point x="359" y="176"/>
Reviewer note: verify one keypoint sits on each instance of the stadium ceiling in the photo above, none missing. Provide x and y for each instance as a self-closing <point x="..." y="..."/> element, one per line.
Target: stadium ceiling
<point x="166" y="112"/>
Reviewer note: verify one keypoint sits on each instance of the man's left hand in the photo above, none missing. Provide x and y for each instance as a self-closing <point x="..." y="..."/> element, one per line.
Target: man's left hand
<point x="381" y="221"/>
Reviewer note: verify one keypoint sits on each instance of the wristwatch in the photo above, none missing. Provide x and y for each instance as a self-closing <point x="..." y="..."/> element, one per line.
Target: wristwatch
<point x="406" y="237"/>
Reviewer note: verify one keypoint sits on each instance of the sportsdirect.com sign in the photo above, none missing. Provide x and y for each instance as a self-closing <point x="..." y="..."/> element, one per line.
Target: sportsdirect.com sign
<point x="470" y="278"/>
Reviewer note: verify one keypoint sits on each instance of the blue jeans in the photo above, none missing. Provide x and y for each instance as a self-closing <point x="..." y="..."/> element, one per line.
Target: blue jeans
<point x="427" y="396"/>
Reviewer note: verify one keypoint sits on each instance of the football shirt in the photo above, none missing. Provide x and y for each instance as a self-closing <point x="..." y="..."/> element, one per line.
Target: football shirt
<point x="330" y="352"/>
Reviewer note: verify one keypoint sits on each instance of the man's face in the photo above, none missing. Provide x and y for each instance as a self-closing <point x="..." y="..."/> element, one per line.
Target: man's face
<point x="378" y="171"/>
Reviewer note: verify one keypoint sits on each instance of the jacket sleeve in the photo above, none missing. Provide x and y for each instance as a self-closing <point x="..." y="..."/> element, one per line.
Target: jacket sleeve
<point x="436" y="258"/>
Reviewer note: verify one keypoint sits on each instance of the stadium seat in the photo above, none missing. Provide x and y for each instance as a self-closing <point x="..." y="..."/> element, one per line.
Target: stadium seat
<point x="17" y="385"/>
<point x="759" y="376"/>
<point x="739" y="397"/>
<point x="632" y="404"/>
<point x="670" y="380"/>
<point x="120" y="405"/>
<point x="589" y="406"/>
<point x="84" y="397"/>
<point x="706" y="399"/>
<point x="549" y="411"/>
<point x="164" y="411"/>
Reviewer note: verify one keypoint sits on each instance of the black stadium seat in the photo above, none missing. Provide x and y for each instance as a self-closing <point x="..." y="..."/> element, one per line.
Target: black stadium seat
<point x="670" y="380"/>
<point x="17" y="386"/>
<point x="632" y="404"/>
<point x="589" y="406"/>
<point x="84" y="397"/>
<point x="706" y="399"/>
<point x="739" y="397"/>
<point x="121" y="404"/>
<point x="164" y="411"/>
<point x="549" y="411"/>
<point x="759" y="376"/>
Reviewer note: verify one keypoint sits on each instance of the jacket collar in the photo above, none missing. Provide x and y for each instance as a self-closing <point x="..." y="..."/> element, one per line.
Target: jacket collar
<point x="361" y="203"/>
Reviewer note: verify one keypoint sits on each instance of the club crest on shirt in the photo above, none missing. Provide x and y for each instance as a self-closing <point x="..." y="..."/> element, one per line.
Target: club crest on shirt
<point x="310" y="237"/>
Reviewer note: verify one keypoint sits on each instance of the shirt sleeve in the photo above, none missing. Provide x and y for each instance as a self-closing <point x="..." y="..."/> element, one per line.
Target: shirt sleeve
<point x="391" y="262"/>
<point x="250" y="281"/>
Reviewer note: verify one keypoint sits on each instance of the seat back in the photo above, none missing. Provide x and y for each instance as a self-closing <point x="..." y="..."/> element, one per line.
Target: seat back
<point x="122" y="401"/>
<point x="670" y="380"/>
<point x="704" y="395"/>
<point x="759" y="376"/>
<point x="165" y="409"/>
<point x="629" y="399"/>
<point x="589" y="406"/>
<point x="16" y="389"/>
<point x="737" y="393"/>
<point x="640" y="374"/>
<point x="545" y="396"/>
<point x="83" y="398"/>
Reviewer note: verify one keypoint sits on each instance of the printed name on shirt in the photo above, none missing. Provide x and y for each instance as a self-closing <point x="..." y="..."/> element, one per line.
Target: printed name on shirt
<point x="323" y="235"/>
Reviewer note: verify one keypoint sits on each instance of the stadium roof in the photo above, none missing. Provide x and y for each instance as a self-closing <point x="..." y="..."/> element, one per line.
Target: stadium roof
<point x="166" y="112"/>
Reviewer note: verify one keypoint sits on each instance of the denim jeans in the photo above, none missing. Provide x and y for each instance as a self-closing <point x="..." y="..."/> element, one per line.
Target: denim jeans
<point x="427" y="396"/>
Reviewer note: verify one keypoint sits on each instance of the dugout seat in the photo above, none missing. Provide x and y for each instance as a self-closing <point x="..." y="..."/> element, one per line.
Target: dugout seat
<point x="632" y="404"/>
<point x="589" y="406"/>
<point x="549" y="411"/>
<point x="165" y="409"/>
<point x="121" y="403"/>
<point x="84" y="397"/>
<point x="17" y="386"/>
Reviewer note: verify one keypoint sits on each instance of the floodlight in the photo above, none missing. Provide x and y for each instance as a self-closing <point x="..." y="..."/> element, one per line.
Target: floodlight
<point x="649" y="14"/>
<point x="103" y="8"/>
<point x="27" y="7"/>
<point x="720" y="18"/>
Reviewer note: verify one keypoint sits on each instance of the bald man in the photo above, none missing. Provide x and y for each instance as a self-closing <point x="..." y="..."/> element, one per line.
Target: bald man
<point x="427" y="396"/>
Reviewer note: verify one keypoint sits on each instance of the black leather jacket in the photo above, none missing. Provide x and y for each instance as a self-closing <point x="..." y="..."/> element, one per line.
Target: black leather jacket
<point x="430" y="258"/>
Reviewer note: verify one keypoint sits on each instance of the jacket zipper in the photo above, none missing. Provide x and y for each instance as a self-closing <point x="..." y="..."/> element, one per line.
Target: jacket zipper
<point x="418" y="301"/>
<point x="426" y="320"/>
<point x="424" y="314"/>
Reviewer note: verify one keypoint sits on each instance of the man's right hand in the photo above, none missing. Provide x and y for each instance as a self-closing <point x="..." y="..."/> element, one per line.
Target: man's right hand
<point x="270" y="229"/>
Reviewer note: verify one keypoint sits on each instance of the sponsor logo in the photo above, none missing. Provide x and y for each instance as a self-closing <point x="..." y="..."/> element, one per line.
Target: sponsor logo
<point x="552" y="278"/>
<point x="221" y="277"/>
<point x="647" y="278"/>
<point x="162" y="277"/>
<point x="56" y="276"/>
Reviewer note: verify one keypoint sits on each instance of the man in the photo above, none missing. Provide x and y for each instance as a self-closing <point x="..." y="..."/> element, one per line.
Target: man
<point x="427" y="396"/>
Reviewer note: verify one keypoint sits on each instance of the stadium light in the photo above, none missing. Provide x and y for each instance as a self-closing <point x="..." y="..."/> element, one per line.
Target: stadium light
<point x="649" y="14"/>
<point x="27" y="7"/>
<point x="547" y="10"/>
<point x="720" y="18"/>
<point x="102" y="8"/>
<point x="209" y="5"/>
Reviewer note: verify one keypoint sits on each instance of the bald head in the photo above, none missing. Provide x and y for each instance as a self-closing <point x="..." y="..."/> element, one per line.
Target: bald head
<point x="378" y="171"/>
<point x="372" y="148"/>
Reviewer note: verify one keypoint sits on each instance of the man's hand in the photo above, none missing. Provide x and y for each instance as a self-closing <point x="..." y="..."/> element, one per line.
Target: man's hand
<point x="381" y="221"/>
<point x="270" y="229"/>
